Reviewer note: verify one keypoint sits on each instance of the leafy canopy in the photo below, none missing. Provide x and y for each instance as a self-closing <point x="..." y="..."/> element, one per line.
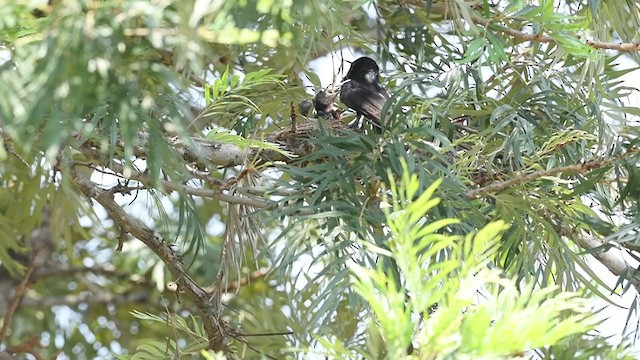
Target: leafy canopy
<point x="154" y="157"/>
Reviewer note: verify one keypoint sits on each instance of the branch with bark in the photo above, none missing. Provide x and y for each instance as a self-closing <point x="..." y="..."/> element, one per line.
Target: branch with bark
<point x="445" y="10"/>
<point x="41" y="244"/>
<point x="615" y="263"/>
<point x="499" y="186"/>
<point x="217" y="329"/>
<point x="602" y="251"/>
<point x="203" y="153"/>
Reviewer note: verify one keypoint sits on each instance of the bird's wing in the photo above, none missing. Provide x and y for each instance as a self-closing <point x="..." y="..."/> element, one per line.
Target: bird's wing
<point x="364" y="100"/>
<point x="382" y="91"/>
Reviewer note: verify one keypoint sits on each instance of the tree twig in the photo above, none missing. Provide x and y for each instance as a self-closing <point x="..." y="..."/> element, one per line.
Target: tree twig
<point x="444" y="9"/>
<point x="17" y="297"/>
<point x="204" y="153"/>
<point x="27" y="346"/>
<point x="172" y="186"/>
<point x="523" y="179"/>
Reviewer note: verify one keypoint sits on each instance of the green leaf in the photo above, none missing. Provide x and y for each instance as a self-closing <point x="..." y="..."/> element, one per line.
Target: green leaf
<point x="474" y="50"/>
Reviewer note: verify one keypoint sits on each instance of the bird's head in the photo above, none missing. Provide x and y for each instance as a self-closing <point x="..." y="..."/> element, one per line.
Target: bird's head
<point x="365" y="69"/>
<point x="324" y="99"/>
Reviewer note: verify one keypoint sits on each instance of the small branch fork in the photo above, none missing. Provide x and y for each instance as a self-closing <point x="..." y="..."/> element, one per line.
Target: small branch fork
<point x="615" y="263"/>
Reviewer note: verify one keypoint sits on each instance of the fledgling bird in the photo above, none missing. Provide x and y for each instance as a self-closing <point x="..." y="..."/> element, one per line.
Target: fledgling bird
<point x="304" y="107"/>
<point x="362" y="92"/>
<point x="323" y="103"/>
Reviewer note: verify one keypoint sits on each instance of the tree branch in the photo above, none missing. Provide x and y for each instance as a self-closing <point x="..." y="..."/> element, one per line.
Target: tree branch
<point x="41" y="242"/>
<point x="616" y="264"/>
<point x="203" y="153"/>
<point x="172" y="186"/>
<point x="444" y="9"/>
<point x="17" y="296"/>
<point x="523" y="179"/>
<point x="217" y="329"/>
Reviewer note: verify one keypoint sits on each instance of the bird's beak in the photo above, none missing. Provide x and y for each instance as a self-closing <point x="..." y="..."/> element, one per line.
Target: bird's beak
<point x="332" y="91"/>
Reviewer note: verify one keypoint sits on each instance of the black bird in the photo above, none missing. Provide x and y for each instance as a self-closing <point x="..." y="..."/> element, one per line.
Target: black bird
<point x="362" y="92"/>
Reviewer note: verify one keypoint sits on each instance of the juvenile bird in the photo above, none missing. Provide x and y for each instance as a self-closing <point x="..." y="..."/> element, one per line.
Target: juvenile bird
<point x="323" y="103"/>
<point x="362" y="92"/>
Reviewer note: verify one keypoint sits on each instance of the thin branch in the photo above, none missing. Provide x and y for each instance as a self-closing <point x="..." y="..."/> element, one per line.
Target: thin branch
<point x="28" y="346"/>
<point x="622" y="47"/>
<point x="443" y="9"/>
<point x="523" y="179"/>
<point x="172" y="186"/>
<point x="615" y="263"/>
<point x="216" y="328"/>
<point x="9" y="149"/>
<point x="17" y="297"/>
<point x="204" y="153"/>
<point x="206" y="193"/>
<point x="207" y="177"/>
<point x="118" y="170"/>
<point x="235" y="285"/>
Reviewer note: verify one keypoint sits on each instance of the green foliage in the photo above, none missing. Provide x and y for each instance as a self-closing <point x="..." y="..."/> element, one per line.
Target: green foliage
<point x="362" y="260"/>
<point x="153" y="349"/>
<point x="230" y="101"/>
<point x="456" y="308"/>
<point x="227" y="137"/>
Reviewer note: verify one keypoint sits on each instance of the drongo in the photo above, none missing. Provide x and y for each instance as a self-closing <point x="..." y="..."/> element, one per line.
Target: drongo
<point x="362" y="92"/>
